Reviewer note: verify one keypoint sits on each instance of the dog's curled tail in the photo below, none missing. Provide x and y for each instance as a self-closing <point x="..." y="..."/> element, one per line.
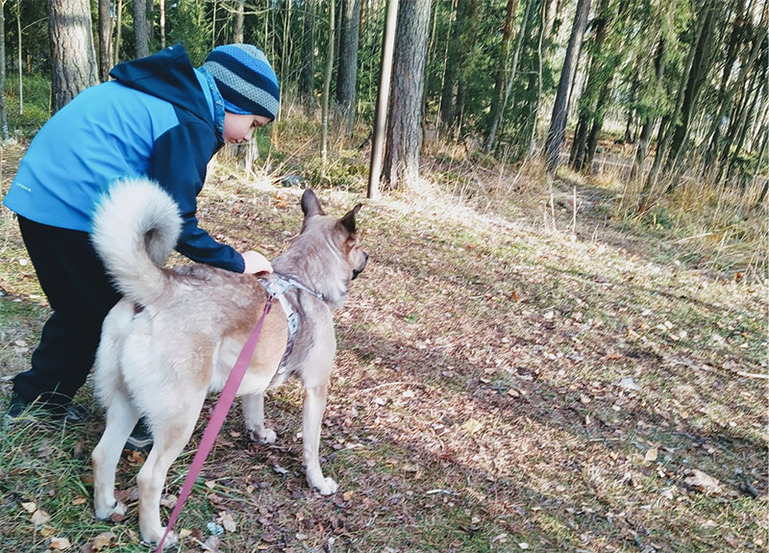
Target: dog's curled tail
<point x="135" y="228"/>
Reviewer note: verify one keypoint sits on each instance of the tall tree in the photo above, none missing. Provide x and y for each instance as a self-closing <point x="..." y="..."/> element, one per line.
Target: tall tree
<point x="556" y="133"/>
<point x="238" y="20"/>
<point x="3" y="108"/>
<point x="307" y="70"/>
<point x="401" y="162"/>
<point x="327" y="80"/>
<point x="495" y="114"/>
<point x="141" y="36"/>
<point x="105" y="39"/>
<point x="73" y="60"/>
<point x="452" y="64"/>
<point x="162" y="22"/>
<point x="348" y="62"/>
<point x="383" y="95"/>
<point x="701" y="63"/>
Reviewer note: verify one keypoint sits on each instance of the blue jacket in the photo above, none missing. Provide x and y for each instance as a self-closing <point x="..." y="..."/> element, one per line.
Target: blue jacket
<point x="160" y="117"/>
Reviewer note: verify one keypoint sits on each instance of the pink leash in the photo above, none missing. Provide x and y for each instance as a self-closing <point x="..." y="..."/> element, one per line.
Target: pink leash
<point x="217" y="418"/>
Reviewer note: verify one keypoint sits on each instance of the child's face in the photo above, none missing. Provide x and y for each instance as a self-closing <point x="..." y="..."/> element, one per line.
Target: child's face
<point x="238" y="127"/>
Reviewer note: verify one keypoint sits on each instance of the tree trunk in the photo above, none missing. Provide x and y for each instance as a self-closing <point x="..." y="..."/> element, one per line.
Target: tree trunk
<point x="511" y="78"/>
<point x="307" y="72"/>
<point x="648" y="120"/>
<point x="327" y="80"/>
<point x="696" y="79"/>
<point x="731" y="57"/>
<point x="348" y="63"/>
<point x="118" y="33"/>
<point x="3" y="107"/>
<point x="555" y="134"/>
<point x="665" y="134"/>
<point x="499" y="80"/>
<point x="467" y="46"/>
<point x="141" y="37"/>
<point x="746" y="114"/>
<point x="453" y="57"/>
<point x="595" y="130"/>
<point x="105" y="40"/>
<point x="588" y="101"/>
<point x="401" y="163"/>
<point x="20" y="63"/>
<point x="73" y="63"/>
<point x="162" y="23"/>
<point x="237" y="22"/>
<point x="380" y="114"/>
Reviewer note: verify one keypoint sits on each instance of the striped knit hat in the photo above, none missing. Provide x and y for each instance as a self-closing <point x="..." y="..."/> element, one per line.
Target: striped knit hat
<point x="245" y="79"/>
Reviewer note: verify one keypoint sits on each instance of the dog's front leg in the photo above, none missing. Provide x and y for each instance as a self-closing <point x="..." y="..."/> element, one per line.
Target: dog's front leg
<point x="314" y="406"/>
<point x="253" y="413"/>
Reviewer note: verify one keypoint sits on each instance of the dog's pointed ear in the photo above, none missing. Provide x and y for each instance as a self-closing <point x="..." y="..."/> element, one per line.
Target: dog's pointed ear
<point x="310" y="204"/>
<point x="348" y="221"/>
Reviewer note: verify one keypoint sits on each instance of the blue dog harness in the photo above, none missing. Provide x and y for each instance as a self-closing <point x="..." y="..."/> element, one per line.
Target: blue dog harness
<point x="276" y="286"/>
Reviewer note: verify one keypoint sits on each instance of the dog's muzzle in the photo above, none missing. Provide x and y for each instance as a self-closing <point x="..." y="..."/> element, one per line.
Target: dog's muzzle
<point x="356" y="272"/>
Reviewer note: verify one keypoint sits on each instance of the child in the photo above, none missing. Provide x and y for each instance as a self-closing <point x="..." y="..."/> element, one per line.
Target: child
<point x="162" y="118"/>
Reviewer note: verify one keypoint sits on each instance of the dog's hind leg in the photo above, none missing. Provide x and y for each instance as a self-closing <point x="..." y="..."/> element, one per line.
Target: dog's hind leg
<point x="121" y="418"/>
<point x="314" y="406"/>
<point x="253" y="413"/>
<point x="170" y="435"/>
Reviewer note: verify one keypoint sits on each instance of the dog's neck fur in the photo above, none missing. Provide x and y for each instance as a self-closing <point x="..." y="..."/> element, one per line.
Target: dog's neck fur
<point x="305" y="265"/>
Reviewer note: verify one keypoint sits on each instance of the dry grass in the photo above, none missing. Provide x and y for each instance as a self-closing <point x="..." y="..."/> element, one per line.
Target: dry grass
<point x="509" y="377"/>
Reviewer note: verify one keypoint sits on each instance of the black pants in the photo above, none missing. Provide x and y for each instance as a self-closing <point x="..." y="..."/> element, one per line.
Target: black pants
<point x="80" y="294"/>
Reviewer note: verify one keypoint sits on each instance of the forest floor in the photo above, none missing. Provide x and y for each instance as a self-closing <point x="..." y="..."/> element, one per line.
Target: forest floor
<point x="512" y="375"/>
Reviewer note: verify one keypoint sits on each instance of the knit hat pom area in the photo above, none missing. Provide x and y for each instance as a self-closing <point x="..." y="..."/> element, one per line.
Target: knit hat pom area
<point x="245" y="79"/>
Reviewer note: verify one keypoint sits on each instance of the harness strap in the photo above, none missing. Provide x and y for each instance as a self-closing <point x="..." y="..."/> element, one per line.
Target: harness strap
<point x="276" y="286"/>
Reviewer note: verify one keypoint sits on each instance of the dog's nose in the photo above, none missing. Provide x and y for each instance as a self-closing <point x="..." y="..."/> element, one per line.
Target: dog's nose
<point x="356" y="272"/>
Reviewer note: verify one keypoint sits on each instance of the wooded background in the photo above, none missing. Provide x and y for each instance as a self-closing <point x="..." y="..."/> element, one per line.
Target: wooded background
<point x="684" y="82"/>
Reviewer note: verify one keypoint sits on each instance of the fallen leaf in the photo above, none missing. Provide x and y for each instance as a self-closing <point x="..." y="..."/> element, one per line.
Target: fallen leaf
<point x="347" y="496"/>
<point x="60" y="544"/>
<point x="79" y="500"/>
<point x="30" y="507"/>
<point x="45" y="451"/>
<point x="227" y="521"/>
<point x="40" y="517"/>
<point x="212" y="544"/>
<point x="169" y="500"/>
<point x="102" y="540"/>
<point x="472" y="426"/>
<point x="651" y="455"/>
<point x="703" y="482"/>
<point x="629" y="384"/>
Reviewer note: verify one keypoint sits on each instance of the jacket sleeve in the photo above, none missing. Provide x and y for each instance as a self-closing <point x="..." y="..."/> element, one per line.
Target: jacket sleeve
<point x="178" y="162"/>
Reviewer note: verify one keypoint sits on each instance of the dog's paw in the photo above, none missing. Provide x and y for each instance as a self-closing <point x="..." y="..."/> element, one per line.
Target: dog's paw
<point x="266" y="437"/>
<point x="103" y="513"/>
<point x="171" y="539"/>
<point x="326" y="486"/>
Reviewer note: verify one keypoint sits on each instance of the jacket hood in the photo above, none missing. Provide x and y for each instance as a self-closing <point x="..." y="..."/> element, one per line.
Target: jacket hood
<point x="167" y="75"/>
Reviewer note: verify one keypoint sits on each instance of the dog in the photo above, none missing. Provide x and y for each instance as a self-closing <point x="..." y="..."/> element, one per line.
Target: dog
<point x="176" y="334"/>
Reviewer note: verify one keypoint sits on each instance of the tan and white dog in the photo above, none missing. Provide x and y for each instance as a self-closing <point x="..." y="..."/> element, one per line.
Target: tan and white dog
<point x="176" y="334"/>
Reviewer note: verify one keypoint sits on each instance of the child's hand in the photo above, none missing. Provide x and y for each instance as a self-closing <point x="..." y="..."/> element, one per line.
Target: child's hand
<point x="256" y="263"/>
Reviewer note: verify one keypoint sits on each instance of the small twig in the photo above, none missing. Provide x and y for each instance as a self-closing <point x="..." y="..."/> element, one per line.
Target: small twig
<point x="692" y="237"/>
<point x="446" y="492"/>
<point x="753" y="375"/>
<point x="386" y="384"/>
